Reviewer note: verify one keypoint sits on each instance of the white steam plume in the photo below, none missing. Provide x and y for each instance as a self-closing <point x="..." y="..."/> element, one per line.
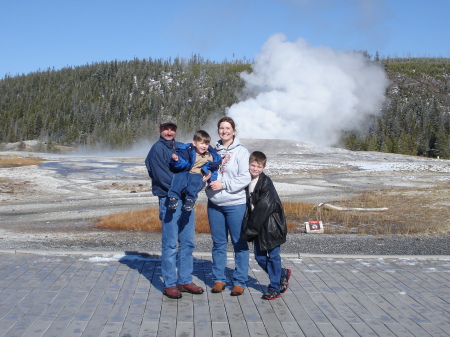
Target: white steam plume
<point x="305" y="93"/>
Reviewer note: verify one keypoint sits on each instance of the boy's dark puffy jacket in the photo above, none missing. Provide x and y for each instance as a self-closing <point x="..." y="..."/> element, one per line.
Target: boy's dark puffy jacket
<point x="186" y="159"/>
<point x="267" y="219"/>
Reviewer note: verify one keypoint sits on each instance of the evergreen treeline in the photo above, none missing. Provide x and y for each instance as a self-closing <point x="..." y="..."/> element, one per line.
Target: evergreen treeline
<point x="114" y="104"/>
<point x="415" y="118"/>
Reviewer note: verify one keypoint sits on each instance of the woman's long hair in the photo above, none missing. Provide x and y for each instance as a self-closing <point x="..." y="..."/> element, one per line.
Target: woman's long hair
<point x="229" y="120"/>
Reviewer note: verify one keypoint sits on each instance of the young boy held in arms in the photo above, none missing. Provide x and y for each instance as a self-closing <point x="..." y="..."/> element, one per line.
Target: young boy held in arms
<point x="265" y="224"/>
<point x="191" y="162"/>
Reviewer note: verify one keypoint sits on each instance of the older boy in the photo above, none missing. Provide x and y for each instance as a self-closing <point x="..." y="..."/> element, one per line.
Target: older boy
<point x="191" y="163"/>
<point x="265" y="225"/>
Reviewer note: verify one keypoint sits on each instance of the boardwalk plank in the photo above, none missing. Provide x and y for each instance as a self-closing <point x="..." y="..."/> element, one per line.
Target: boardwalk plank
<point x="328" y="330"/>
<point x="268" y="316"/>
<point x="400" y="330"/>
<point x="373" y="308"/>
<point x="131" y="327"/>
<point x="342" y="308"/>
<point x="38" y="329"/>
<point x="221" y="329"/>
<point x="75" y="329"/>
<point x="434" y="330"/>
<point x="69" y="295"/>
<point x="353" y="304"/>
<point x="256" y="329"/>
<point x="306" y="324"/>
<point x="362" y="329"/>
<point x="202" y="329"/>
<point x="148" y="329"/>
<point x="217" y="307"/>
<point x="311" y="308"/>
<point x="185" y="329"/>
<point x="292" y="329"/>
<point x="185" y="311"/>
<point x="111" y="329"/>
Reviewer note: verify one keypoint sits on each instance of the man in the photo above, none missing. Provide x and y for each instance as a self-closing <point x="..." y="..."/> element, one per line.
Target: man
<point x="177" y="224"/>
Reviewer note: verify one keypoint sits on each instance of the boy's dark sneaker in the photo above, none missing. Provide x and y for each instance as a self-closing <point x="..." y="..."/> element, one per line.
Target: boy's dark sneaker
<point x="189" y="205"/>
<point x="173" y="203"/>
<point x="271" y="294"/>
<point x="285" y="280"/>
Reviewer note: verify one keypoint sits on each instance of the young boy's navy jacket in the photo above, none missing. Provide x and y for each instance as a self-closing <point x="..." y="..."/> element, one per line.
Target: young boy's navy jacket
<point x="186" y="159"/>
<point x="267" y="219"/>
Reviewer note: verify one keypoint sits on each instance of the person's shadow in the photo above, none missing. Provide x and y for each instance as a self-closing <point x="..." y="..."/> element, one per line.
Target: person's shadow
<point x="149" y="266"/>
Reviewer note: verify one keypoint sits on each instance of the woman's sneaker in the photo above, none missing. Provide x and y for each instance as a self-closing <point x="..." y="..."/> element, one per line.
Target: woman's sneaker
<point x="285" y="280"/>
<point x="173" y="203"/>
<point x="271" y="294"/>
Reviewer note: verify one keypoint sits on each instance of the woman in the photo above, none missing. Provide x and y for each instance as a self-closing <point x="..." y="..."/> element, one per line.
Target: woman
<point x="226" y="208"/>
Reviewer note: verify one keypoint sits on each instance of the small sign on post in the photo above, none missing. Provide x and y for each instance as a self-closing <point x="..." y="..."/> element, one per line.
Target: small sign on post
<point x="314" y="227"/>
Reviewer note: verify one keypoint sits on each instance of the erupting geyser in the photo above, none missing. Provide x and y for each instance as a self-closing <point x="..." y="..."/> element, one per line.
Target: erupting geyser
<point x="300" y="92"/>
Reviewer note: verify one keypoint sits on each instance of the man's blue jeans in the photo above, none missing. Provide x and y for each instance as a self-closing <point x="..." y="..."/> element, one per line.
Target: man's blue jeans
<point x="177" y="229"/>
<point x="224" y="220"/>
<point x="270" y="262"/>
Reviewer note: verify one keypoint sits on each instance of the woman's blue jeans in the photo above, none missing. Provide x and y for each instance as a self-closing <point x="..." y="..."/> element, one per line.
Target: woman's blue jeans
<point x="177" y="230"/>
<point x="224" y="220"/>
<point x="270" y="262"/>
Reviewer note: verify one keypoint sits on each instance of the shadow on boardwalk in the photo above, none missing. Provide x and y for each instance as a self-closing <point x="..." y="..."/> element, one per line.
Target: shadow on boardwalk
<point x="121" y="295"/>
<point x="132" y="260"/>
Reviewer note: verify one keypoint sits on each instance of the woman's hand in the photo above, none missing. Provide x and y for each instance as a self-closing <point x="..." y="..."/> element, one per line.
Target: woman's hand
<point x="216" y="185"/>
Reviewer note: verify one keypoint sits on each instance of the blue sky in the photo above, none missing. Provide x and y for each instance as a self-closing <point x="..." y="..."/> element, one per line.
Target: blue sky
<point x="56" y="33"/>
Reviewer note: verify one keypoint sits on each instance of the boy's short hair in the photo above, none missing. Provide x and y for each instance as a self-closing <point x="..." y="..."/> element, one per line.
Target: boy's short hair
<point x="259" y="157"/>
<point x="202" y="136"/>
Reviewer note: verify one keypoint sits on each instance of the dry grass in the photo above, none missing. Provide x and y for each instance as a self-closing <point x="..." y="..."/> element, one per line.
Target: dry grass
<point x="15" y="160"/>
<point x="144" y="220"/>
<point x="148" y="220"/>
<point x="410" y="211"/>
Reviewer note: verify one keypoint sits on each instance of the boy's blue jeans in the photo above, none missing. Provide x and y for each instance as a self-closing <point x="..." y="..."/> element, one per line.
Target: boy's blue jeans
<point x="177" y="229"/>
<point x="270" y="262"/>
<point x="186" y="183"/>
<point x="224" y="220"/>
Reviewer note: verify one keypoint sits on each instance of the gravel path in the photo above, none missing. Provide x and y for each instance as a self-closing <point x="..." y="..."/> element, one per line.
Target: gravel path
<point x="104" y="241"/>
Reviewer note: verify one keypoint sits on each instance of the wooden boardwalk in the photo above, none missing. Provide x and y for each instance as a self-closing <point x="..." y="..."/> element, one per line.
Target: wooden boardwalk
<point x="93" y="294"/>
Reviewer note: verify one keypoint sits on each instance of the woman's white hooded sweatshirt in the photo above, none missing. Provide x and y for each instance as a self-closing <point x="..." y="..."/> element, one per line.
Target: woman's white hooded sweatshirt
<point x="233" y="173"/>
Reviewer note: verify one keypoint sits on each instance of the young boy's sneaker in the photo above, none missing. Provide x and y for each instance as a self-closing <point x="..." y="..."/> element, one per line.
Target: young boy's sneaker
<point x="271" y="294"/>
<point x="173" y="203"/>
<point x="285" y="280"/>
<point x="189" y="205"/>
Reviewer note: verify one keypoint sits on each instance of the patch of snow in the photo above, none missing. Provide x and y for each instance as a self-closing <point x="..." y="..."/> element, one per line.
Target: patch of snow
<point x="410" y="167"/>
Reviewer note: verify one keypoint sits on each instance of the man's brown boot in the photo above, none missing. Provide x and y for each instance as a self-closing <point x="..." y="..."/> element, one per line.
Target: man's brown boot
<point x="190" y="288"/>
<point x="172" y="292"/>
<point x="237" y="290"/>
<point x="218" y="287"/>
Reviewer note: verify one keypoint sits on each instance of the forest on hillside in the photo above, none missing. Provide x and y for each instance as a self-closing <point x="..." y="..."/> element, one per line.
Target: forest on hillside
<point x="415" y="118"/>
<point x="115" y="104"/>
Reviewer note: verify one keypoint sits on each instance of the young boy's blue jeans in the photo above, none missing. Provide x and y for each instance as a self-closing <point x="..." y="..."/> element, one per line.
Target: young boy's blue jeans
<point x="270" y="262"/>
<point x="177" y="230"/>
<point x="185" y="182"/>
<point x="224" y="220"/>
